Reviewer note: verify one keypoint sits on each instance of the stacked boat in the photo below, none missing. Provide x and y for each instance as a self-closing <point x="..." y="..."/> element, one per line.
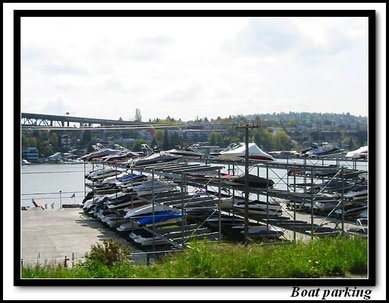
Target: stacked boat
<point x="144" y="210"/>
<point x="341" y="193"/>
<point x="237" y="152"/>
<point x="323" y="149"/>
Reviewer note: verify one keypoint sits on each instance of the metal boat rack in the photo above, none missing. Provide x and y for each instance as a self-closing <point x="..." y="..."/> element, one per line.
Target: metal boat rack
<point x="180" y="173"/>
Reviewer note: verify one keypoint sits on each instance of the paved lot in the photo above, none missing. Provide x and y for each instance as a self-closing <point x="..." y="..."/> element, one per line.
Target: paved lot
<point x="50" y="235"/>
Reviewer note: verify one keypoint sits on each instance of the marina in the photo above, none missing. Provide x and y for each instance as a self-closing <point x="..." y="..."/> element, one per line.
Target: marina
<point x="160" y="207"/>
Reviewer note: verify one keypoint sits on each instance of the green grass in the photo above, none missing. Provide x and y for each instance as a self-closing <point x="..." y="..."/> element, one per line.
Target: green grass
<point x="327" y="257"/>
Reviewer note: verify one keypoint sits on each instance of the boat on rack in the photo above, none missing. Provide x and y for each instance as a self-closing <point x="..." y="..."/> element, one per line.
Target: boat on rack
<point x="150" y="187"/>
<point x="189" y="152"/>
<point x="349" y="211"/>
<point x="180" y="234"/>
<point x="324" y="149"/>
<point x="143" y="237"/>
<point x="233" y="228"/>
<point x="124" y="178"/>
<point x="259" y="208"/>
<point x="322" y="203"/>
<point x="360" y="153"/>
<point x="25" y="162"/>
<point x="101" y="151"/>
<point x="256" y="231"/>
<point x="362" y="223"/>
<point x="155" y="157"/>
<point x="159" y="216"/>
<point x="120" y="157"/>
<point x="253" y="181"/>
<point x="101" y="174"/>
<point x="358" y="192"/>
<point x="145" y="209"/>
<point x="237" y="152"/>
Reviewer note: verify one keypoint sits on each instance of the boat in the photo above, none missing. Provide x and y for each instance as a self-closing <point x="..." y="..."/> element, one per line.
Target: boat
<point x="127" y="226"/>
<point x="357" y="193"/>
<point x="113" y="220"/>
<point x="101" y="174"/>
<point x="323" y="202"/>
<point x="190" y="152"/>
<point x="145" y="209"/>
<point x="100" y="152"/>
<point x="155" y="157"/>
<point x="200" y="213"/>
<point x="362" y="223"/>
<point x="324" y="149"/>
<point x="143" y="237"/>
<point x="258" y="208"/>
<point x="233" y="228"/>
<point x="237" y="152"/>
<point x="257" y="231"/>
<point x="120" y="157"/>
<point x="253" y="181"/>
<point x="350" y="211"/>
<point x="131" y="224"/>
<point x="125" y="179"/>
<point x="224" y="221"/>
<point x="150" y="187"/>
<point x="360" y="153"/>
<point x="159" y="217"/>
<point x="127" y="204"/>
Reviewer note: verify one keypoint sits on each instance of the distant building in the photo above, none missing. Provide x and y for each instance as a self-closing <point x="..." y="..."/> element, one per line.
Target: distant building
<point x="30" y="154"/>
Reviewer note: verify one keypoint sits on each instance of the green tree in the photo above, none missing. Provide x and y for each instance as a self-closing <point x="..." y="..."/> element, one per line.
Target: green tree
<point x="165" y="144"/>
<point x="54" y="141"/>
<point x="138" y="144"/>
<point x="175" y="140"/>
<point x="158" y="135"/>
<point x="138" y="115"/>
<point x="86" y="139"/>
<point x="215" y="138"/>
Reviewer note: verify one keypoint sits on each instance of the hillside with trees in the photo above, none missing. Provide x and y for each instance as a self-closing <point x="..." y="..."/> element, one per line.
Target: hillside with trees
<point x="275" y="132"/>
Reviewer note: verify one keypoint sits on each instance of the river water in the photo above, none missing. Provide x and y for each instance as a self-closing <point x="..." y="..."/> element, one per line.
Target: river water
<point x="53" y="183"/>
<point x="59" y="184"/>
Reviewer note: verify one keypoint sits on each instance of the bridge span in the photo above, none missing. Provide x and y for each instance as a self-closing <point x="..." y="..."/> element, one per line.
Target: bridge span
<point x="30" y="119"/>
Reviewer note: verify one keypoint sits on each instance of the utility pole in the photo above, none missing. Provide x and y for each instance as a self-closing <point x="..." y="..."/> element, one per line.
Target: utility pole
<point x="246" y="180"/>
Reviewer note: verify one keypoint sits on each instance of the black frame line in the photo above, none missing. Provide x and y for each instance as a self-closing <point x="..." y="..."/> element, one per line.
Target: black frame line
<point x="370" y="14"/>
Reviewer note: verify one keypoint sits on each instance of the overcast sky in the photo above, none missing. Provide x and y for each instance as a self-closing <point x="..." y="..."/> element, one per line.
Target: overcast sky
<point x="193" y="67"/>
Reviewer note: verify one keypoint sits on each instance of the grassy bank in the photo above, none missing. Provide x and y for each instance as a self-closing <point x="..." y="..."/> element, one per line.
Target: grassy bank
<point x="328" y="257"/>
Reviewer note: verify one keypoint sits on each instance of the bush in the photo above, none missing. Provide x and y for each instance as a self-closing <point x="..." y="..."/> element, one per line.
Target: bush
<point x="108" y="253"/>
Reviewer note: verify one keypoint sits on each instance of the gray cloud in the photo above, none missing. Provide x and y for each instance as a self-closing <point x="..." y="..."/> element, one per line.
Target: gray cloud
<point x="183" y="95"/>
<point x="335" y="43"/>
<point x="264" y="36"/>
<point x="62" y="68"/>
<point x="148" y="48"/>
<point x="42" y="61"/>
<point x="159" y="40"/>
<point x="32" y="54"/>
<point x="56" y="107"/>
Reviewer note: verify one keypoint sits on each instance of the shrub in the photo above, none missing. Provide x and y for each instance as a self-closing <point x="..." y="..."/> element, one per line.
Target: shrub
<point x="108" y="253"/>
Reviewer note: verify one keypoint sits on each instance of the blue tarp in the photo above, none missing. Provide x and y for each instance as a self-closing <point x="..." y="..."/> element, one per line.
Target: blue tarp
<point x="159" y="217"/>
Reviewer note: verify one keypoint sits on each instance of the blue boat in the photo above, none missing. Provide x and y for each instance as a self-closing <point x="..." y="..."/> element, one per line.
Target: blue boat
<point x="158" y="217"/>
<point x="131" y="177"/>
